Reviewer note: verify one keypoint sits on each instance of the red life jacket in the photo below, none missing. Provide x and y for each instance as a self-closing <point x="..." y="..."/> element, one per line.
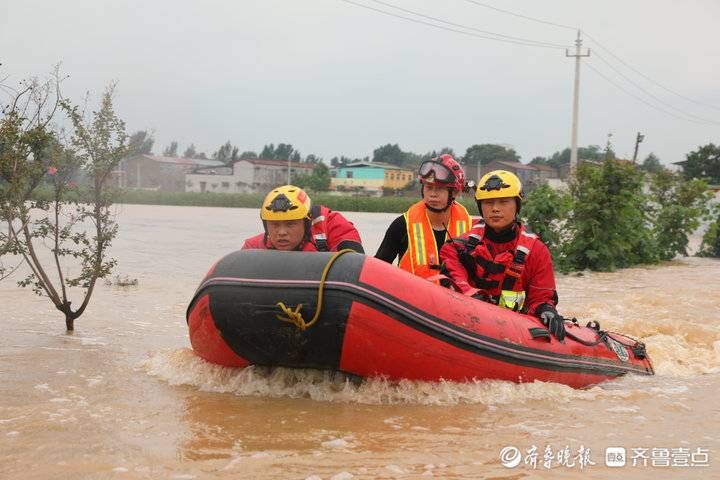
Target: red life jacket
<point x="493" y="274"/>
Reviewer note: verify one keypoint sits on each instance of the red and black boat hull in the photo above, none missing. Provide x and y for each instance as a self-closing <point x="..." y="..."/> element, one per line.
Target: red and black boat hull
<point x="377" y="320"/>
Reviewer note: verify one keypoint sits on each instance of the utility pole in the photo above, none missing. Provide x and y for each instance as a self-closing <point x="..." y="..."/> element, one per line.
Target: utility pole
<point x="576" y="101"/>
<point x="289" y="182"/>
<point x="640" y="137"/>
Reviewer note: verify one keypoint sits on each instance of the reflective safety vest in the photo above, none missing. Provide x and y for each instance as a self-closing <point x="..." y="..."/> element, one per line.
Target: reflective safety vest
<point x="422" y="257"/>
<point x="499" y="275"/>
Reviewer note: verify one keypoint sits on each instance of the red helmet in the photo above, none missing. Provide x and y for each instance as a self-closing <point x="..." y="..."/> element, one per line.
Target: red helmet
<point x="444" y="170"/>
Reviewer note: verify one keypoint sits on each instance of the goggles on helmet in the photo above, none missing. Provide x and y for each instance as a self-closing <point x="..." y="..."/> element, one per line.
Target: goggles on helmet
<point x="440" y="172"/>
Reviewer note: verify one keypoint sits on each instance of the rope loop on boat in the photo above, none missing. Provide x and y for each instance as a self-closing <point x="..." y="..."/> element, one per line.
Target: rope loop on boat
<point x="295" y="316"/>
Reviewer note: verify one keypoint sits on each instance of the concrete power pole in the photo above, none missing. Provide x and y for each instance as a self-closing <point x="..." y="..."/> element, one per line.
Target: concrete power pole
<point x="576" y="100"/>
<point x="640" y="137"/>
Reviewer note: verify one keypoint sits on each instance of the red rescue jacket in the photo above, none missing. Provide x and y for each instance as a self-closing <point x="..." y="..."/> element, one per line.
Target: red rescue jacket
<point x="522" y="264"/>
<point x="327" y="231"/>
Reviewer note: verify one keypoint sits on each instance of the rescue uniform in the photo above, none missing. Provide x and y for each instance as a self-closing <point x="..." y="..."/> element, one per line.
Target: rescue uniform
<point x="513" y="260"/>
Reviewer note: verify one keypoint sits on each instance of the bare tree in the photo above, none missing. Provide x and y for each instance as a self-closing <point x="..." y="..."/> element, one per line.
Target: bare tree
<point x="71" y="227"/>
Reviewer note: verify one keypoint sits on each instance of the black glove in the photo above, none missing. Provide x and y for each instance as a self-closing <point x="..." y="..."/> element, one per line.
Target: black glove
<point x="552" y="320"/>
<point x="483" y="297"/>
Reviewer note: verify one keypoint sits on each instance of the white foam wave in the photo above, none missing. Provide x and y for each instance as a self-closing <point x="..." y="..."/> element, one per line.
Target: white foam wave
<point x="183" y="367"/>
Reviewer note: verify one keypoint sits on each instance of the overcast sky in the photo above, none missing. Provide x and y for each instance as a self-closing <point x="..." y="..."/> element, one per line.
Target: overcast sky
<point x="333" y="78"/>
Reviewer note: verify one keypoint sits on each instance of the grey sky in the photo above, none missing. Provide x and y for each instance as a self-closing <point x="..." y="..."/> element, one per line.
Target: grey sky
<point x="336" y="79"/>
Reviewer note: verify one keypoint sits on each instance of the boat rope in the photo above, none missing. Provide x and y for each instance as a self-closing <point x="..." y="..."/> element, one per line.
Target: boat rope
<point x="295" y="316"/>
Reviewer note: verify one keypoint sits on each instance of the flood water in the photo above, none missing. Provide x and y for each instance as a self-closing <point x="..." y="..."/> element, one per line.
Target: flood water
<point x="125" y="398"/>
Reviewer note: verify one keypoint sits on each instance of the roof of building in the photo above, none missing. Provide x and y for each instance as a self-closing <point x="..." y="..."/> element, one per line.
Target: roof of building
<point x="200" y="162"/>
<point x="224" y="170"/>
<point x="514" y="165"/>
<point x="276" y="163"/>
<point x="542" y="166"/>
<point x="386" y="166"/>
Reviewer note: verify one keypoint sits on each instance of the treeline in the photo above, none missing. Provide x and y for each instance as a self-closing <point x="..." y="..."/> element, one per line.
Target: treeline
<point x="702" y="163"/>
<point x="614" y="216"/>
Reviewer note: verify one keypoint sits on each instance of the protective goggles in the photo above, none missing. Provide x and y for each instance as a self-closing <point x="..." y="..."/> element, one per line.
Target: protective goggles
<point x="440" y="172"/>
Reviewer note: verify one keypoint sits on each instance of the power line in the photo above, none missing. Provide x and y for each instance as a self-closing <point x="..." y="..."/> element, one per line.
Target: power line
<point x="412" y="12"/>
<point x="647" y="77"/>
<point x="527" y="43"/>
<point x="508" y="12"/>
<point x="659" y="100"/>
<point x="640" y="99"/>
<point x="627" y="65"/>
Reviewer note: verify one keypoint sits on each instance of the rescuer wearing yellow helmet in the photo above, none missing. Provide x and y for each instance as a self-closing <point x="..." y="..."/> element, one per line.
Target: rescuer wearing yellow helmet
<point x="500" y="260"/>
<point x="292" y="222"/>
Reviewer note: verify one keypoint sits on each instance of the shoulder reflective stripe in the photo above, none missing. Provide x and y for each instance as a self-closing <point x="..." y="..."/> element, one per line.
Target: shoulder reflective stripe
<point x="419" y="244"/>
<point x="523" y="249"/>
<point x="531" y="235"/>
<point x="461" y="227"/>
<point x="319" y="219"/>
<point x="320" y="236"/>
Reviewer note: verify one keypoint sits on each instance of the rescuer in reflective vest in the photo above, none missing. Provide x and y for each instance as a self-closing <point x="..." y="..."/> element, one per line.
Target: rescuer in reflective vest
<point x="417" y="235"/>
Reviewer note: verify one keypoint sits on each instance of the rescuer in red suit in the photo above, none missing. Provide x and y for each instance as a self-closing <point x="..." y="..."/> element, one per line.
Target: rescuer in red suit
<point x="499" y="260"/>
<point x="291" y="222"/>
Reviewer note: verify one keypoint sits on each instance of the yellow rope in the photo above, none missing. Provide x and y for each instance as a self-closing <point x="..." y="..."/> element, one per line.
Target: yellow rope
<point x="294" y="316"/>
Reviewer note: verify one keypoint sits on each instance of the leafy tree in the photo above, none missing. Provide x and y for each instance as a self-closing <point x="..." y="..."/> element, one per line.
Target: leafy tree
<point x="609" y="226"/>
<point x="227" y="153"/>
<point x="248" y="155"/>
<point x="27" y="148"/>
<point x="652" y="164"/>
<point x="676" y="211"/>
<point x="591" y="152"/>
<point x="545" y="211"/>
<point x="318" y="180"/>
<point x="710" y="245"/>
<point x="703" y="163"/>
<point x="75" y="232"/>
<point x="539" y="161"/>
<point x="268" y="152"/>
<point x="487" y="153"/>
<point x="140" y="142"/>
<point x="313" y="159"/>
<point x="190" y="152"/>
<point x="391" y="154"/>
<point x="283" y="151"/>
<point x="171" y="150"/>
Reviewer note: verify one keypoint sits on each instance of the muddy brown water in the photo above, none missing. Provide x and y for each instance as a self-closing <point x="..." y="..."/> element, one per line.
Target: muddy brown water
<point x="125" y="398"/>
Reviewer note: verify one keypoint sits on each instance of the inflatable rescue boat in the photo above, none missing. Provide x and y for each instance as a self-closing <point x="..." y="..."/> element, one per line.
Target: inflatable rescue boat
<point x="361" y="316"/>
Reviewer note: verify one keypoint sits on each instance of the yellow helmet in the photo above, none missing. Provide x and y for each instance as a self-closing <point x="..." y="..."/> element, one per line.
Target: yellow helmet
<point x="286" y="203"/>
<point x="499" y="184"/>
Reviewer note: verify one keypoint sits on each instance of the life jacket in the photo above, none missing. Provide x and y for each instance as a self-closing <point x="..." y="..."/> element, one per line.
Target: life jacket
<point x="318" y="229"/>
<point x="422" y="257"/>
<point x="499" y="275"/>
<point x="317" y="233"/>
